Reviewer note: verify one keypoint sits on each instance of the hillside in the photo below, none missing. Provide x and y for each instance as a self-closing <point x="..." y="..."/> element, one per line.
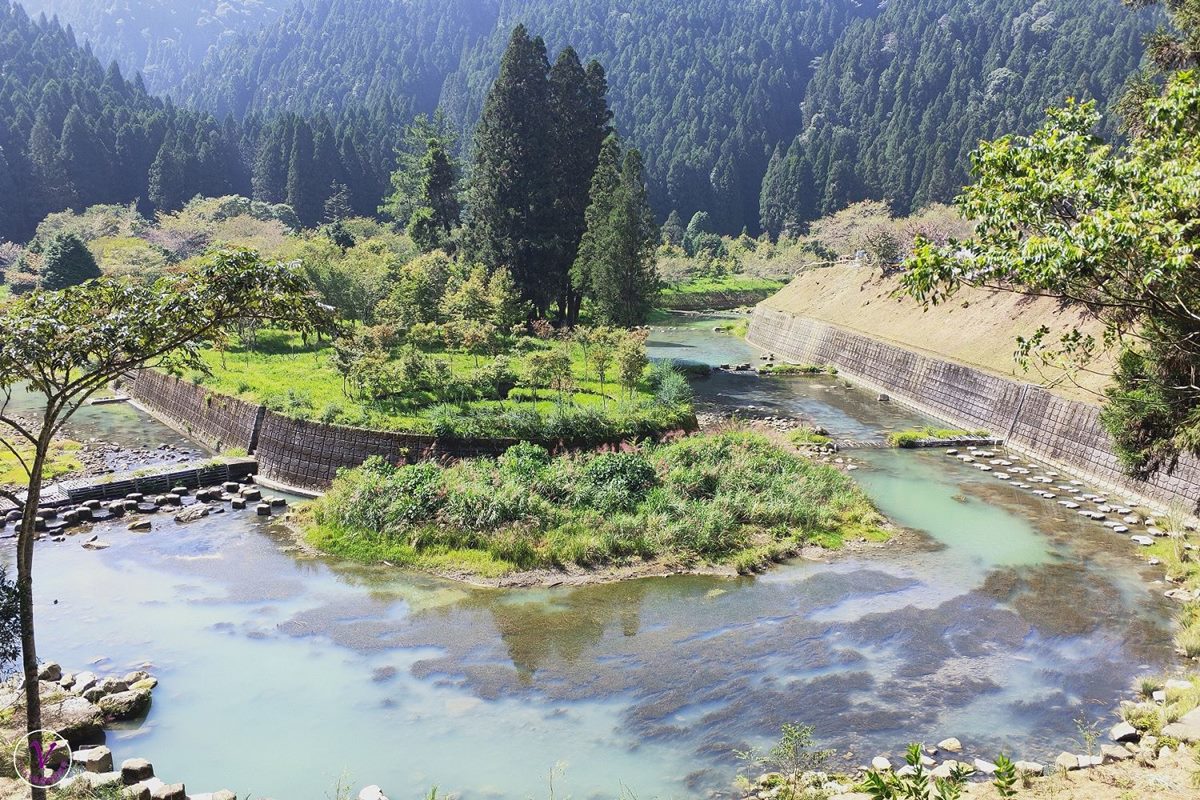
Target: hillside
<point x="978" y="329"/>
<point x="904" y="96"/>
<point x="74" y="133"/>
<point x="161" y="39"/>
<point x="849" y="100"/>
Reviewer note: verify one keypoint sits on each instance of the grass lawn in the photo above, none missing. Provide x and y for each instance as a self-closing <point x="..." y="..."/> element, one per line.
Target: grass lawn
<point x="708" y="291"/>
<point x="731" y="498"/>
<point x="63" y="459"/>
<point x="301" y="381"/>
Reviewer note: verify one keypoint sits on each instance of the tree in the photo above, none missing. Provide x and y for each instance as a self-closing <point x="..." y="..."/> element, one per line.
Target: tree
<point x="67" y="345"/>
<point x="66" y="261"/>
<point x="631" y="361"/>
<point x="700" y="224"/>
<point x="1111" y="230"/>
<point x="672" y="230"/>
<point x="512" y="192"/>
<point x="407" y="179"/>
<point x="337" y="206"/>
<point x="303" y="188"/>
<point x="580" y="124"/>
<point x="439" y="189"/>
<point x="616" y="257"/>
<point x="599" y="238"/>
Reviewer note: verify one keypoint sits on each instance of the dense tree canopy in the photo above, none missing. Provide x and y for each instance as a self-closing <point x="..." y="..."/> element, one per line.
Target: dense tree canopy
<point x="74" y="134"/>
<point x="760" y="112"/>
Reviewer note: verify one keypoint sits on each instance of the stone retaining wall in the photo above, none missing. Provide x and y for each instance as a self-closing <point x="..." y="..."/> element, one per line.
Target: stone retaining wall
<point x="217" y="421"/>
<point x="1061" y="432"/>
<point x="299" y="453"/>
<point x="308" y="454"/>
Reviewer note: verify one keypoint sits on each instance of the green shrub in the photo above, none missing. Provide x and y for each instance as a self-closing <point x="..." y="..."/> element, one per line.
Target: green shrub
<point x="730" y="496"/>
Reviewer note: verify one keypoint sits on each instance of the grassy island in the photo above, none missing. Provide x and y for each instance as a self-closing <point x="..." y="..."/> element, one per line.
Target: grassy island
<point x="733" y="498"/>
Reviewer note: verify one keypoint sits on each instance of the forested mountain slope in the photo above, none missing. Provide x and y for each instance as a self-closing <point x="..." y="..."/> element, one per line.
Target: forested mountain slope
<point x="904" y="97"/>
<point x="162" y="39"/>
<point x="887" y="100"/>
<point x="764" y="113"/>
<point x="73" y="134"/>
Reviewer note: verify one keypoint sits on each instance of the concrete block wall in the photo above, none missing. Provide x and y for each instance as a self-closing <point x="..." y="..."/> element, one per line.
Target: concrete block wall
<point x="1061" y="432"/>
<point x="299" y="453"/>
<point x="217" y="421"/>
<point x="308" y="454"/>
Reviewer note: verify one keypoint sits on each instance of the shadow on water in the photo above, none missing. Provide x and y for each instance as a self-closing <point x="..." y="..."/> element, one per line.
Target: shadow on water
<point x="408" y="681"/>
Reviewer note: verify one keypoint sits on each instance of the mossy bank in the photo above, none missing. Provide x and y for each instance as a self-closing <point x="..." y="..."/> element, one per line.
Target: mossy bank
<point x="722" y="502"/>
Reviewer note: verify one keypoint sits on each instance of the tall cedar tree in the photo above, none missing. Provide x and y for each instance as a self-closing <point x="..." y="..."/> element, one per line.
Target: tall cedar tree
<point x="513" y="181"/>
<point x="440" y="187"/>
<point x="615" y="267"/>
<point x="581" y="118"/>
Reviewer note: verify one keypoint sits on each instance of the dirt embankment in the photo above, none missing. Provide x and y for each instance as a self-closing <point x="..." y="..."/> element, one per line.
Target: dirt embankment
<point x="978" y="328"/>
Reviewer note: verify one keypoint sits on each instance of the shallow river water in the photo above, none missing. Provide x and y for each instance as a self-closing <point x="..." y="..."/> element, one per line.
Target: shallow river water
<point x="1008" y="619"/>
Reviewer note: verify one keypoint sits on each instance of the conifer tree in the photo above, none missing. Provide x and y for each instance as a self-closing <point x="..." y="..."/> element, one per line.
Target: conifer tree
<point x="513" y="188"/>
<point x="66" y="261"/>
<point x="303" y="195"/>
<point x="616" y="257"/>
<point x="440" y="187"/>
<point x="580" y="119"/>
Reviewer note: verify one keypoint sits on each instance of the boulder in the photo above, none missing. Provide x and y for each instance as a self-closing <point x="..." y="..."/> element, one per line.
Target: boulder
<point x="372" y="793"/>
<point x="1186" y="728"/>
<point x="263" y="509"/>
<point x="133" y="677"/>
<point x="113" y="685"/>
<point x="146" y="684"/>
<point x="94" y="759"/>
<point x="93" y="694"/>
<point x="1123" y="732"/>
<point x="1029" y="768"/>
<point x="126" y="705"/>
<point x="985" y="767"/>
<point x="50" y="671"/>
<point x="950" y="745"/>
<point x="137" y="792"/>
<point x="1066" y="761"/>
<point x="170" y="791"/>
<point x="944" y="769"/>
<point x="1110" y="752"/>
<point x="84" y="681"/>
<point x="192" y="513"/>
<point x="136" y="770"/>
<point x="881" y="764"/>
<point x="74" y="718"/>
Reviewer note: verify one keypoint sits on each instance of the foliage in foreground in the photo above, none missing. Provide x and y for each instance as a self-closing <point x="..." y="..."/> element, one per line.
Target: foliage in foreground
<point x="1109" y="229"/>
<point x="728" y="497"/>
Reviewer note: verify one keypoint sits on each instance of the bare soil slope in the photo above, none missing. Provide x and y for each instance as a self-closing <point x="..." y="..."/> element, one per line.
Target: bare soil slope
<point x="977" y="328"/>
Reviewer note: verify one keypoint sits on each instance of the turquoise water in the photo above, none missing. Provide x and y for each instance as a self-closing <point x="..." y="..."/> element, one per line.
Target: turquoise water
<point x="281" y="673"/>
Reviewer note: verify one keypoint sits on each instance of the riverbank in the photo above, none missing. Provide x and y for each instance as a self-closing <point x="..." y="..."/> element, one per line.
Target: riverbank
<point x="722" y="503"/>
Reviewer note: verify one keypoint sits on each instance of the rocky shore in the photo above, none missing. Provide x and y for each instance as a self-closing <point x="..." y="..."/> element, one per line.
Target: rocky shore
<point x="1127" y="759"/>
<point x="79" y="706"/>
<point x="183" y="504"/>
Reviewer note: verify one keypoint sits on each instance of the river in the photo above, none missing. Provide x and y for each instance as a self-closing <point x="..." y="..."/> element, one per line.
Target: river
<point x="281" y="674"/>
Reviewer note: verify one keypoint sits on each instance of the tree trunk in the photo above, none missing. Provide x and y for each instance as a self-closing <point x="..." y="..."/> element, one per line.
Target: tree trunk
<point x="29" y="660"/>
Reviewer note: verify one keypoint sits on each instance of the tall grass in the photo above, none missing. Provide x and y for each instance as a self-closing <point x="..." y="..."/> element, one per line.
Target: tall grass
<point x="732" y="497"/>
